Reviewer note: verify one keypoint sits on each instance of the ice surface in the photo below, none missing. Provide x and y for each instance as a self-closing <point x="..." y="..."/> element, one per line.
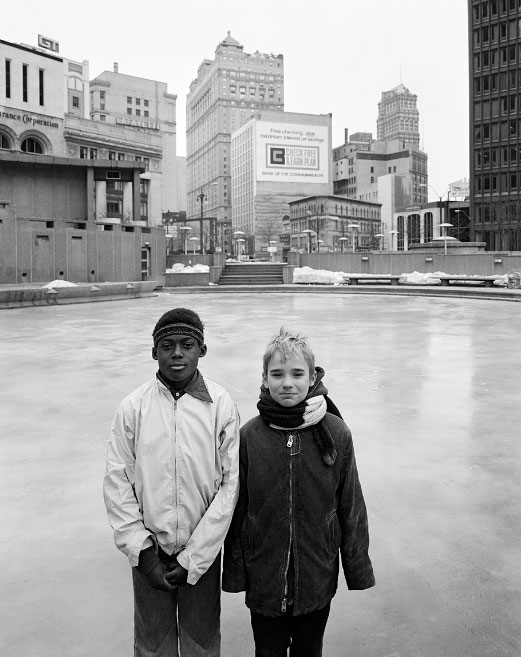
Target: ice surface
<point x="430" y="388"/>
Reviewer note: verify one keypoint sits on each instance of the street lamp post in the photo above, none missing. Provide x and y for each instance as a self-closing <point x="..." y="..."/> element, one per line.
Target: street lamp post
<point x="201" y="198"/>
<point x="445" y="225"/>
<point x="239" y="242"/>
<point x="185" y="230"/>
<point x="238" y="237"/>
<point x="194" y="239"/>
<point x="342" y="241"/>
<point x="380" y="241"/>
<point x="353" y="227"/>
<point x="392" y="233"/>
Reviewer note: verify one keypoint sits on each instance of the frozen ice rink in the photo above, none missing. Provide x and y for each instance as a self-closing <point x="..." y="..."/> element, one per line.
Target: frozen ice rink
<point x="431" y="389"/>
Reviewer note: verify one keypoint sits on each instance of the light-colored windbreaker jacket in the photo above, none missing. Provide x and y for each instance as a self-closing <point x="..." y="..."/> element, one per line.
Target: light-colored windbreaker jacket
<point x="173" y="474"/>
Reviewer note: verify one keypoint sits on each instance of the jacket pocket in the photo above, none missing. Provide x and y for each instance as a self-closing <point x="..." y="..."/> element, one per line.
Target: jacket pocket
<point x="334" y="530"/>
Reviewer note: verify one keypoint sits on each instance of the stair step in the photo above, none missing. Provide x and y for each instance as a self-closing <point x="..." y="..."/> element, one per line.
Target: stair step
<point x="252" y="274"/>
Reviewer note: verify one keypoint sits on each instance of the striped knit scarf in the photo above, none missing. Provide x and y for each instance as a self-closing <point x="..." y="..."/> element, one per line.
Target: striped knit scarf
<point x="308" y="413"/>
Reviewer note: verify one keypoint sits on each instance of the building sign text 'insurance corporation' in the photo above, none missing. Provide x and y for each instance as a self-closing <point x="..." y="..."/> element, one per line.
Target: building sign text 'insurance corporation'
<point x="292" y="153"/>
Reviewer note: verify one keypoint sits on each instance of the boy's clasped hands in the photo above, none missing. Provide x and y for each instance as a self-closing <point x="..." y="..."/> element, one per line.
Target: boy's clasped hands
<point x="164" y="575"/>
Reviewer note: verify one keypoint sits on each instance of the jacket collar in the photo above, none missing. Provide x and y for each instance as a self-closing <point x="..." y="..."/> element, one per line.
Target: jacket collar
<point x="196" y="387"/>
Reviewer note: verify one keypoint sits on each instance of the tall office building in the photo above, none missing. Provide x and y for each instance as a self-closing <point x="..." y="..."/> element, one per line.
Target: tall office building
<point x="277" y="158"/>
<point x="495" y="122"/>
<point x="398" y="117"/>
<point x="228" y="90"/>
<point x="386" y="172"/>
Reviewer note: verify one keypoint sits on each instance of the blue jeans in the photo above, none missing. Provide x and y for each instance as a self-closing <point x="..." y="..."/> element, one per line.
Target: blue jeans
<point x="303" y="635"/>
<point x="184" y="623"/>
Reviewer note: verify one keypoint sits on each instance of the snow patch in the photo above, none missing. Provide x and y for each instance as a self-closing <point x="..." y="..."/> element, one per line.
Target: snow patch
<point x="179" y="268"/>
<point x="59" y="283"/>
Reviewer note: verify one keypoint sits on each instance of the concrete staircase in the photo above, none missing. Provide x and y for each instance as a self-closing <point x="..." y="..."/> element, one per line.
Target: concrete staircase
<point x="254" y="273"/>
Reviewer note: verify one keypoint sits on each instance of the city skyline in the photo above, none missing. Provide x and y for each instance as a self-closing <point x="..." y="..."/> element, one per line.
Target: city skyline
<point x="339" y="62"/>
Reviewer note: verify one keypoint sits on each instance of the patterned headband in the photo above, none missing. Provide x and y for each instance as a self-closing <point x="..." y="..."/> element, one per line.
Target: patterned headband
<point x="178" y="329"/>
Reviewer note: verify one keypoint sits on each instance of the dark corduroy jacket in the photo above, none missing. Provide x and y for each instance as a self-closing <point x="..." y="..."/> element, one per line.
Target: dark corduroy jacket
<point x="297" y="499"/>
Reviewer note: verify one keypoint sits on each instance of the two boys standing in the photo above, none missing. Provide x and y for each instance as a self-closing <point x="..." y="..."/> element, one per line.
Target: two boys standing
<point x="177" y="470"/>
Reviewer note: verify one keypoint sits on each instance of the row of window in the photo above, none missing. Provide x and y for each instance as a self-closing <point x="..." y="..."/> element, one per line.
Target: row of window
<point x="493" y="157"/>
<point x="497" y="211"/>
<point x="8" y="72"/>
<point x="497" y="57"/>
<point x="497" y="130"/>
<point x="489" y="8"/>
<point x="350" y="212"/>
<point x="92" y="153"/>
<point x="28" y="145"/>
<point x="252" y="75"/>
<point x="137" y="112"/>
<point x="502" y="81"/>
<point x="136" y="100"/>
<point x="115" y="210"/>
<point x="412" y="225"/>
<point x="34" y="145"/>
<point x="490" y="33"/>
<point x="497" y="106"/>
<point x="117" y="186"/>
<point x="498" y="183"/>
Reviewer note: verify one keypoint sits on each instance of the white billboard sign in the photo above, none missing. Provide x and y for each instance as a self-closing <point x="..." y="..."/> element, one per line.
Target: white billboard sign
<point x="289" y="152"/>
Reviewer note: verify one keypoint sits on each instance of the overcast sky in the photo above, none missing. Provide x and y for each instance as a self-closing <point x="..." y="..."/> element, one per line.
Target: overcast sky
<point x="339" y="55"/>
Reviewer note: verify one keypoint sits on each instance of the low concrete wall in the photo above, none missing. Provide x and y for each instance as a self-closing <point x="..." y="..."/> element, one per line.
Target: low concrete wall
<point x="399" y="262"/>
<point x="40" y="296"/>
<point x="287" y="274"/>
<point x="188" y="279"/>
<point x="215" y="274"/>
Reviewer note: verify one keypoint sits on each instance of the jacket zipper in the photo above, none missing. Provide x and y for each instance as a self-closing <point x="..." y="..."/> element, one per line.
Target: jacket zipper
<point x="288" y="559"/>
<point x="176" y="534"/>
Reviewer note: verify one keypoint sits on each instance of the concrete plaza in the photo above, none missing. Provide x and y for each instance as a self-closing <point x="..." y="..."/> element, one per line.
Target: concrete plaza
<point x="430" y="388"/>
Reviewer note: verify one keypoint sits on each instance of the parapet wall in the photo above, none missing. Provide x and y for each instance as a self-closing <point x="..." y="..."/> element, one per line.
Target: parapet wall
<point x="479" y="264"/>
<point x="43" y="296"/>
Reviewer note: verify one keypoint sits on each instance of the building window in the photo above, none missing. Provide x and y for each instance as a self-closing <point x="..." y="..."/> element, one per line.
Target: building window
<point x="113" y="207"/>
<point x="84" y="152"/>
<point x="145" y="103"/>
<point x="138" y="112"/>
<point x="115" y="185"/>
<point x="102" y="117"/>
<point x="121" y="156"/>
<point x="93" y="154"/>
<point x="129" y="100"/>
<point x="145" y="112"/>
<point x="75" y="101"/>
<point x="129" y="110"/>
<point x="4" y="142"/>
<point x="8" y="78"/>
<point x="112" y="155"/>
<point x="24" y="82"/>
<point x="40" y="86"/>
<point x="31" y="145"/>
<point x="138" y="101"/>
